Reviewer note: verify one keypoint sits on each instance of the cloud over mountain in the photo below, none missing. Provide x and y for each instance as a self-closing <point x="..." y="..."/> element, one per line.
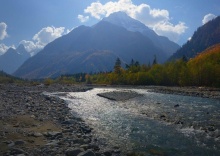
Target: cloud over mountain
<point x="157" y="19"/>
<point x="30" y="46"/>
<point x="208" y="17"/>
<point x="83" y="18"/>
<point x="39" y="40"/>
<point x="48" y="34"/>
<point x="4" y="48"/>
<point x="3" y="32"/>
<point x="42" y="38"/>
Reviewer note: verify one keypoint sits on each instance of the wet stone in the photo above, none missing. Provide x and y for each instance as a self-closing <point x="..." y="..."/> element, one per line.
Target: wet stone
<point x="162" y="116"/>
<point x="53" y="143"/>
<point x="52" y="134"/>
<point x="67" y="122"/>
<point x="19" y="142"/>
<point x="177" y="105"/>
<point x="107" y="153"/>
<point x="85" y="147"/>
<point x="11" y="144"/>
<point x="211" y="128"/>
<point x="87" y="153"/>
<point x="16" y="151"/>
<point x="37" y="134"/>
<point x="21" y="155"/>
<point x="73" y="151"/>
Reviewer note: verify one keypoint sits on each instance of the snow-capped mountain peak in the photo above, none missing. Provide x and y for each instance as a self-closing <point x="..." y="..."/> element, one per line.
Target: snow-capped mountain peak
<point x="123" y="20"/>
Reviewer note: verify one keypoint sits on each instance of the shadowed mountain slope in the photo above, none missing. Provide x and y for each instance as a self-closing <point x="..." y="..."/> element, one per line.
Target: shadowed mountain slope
<point x="205" y="36"/>
<point x="13" y="59"/>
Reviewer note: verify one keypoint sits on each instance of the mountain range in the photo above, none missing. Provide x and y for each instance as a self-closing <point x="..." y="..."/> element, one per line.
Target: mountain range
<point x="95" y="49"/>
<point x="11" y="60"/>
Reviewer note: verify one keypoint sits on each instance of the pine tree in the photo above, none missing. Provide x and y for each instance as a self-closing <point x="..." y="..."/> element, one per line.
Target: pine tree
<point x="117" y="67"/>
<point x="155" y="60"/>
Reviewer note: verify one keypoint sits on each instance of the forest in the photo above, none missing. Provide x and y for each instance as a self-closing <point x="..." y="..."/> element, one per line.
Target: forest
<point x="203" y="70"/>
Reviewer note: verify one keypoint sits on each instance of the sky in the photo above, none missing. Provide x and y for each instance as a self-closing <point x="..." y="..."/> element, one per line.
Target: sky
<point x="35" y="23"/>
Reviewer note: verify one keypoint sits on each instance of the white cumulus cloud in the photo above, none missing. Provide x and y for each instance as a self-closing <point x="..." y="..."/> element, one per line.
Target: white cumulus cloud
<point x="42" y="38"/>
<point x="47" y="35"/>
<point x="96" y="9"/>
<point x="170" y="30"/>
<point x="83" y="18"/>
<point x="4" y="48"/>
<point x="3" y="32"/>
<point x="30" y="45"/>
<point x="208" y="17"/>
<point x="157" y="19"/>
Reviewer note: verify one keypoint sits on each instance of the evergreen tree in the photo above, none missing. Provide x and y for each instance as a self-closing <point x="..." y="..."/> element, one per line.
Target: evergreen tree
<point x="184" y="58"/>
<point x="137" y="64"/>
<point x="117" y="67"/>
<point x="132" y="63"/>
<point x="155" y="60"/>
<point x="127" y="66"/>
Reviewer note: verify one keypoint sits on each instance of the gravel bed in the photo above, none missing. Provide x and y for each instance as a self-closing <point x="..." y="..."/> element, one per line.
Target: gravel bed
<point x="119" y="95"/>
<point x="32" y="123"/>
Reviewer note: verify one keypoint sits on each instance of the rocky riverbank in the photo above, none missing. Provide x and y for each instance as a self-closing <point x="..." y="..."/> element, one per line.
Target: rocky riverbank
<point x="204" y="92"/>
<point x="32" y="123"/>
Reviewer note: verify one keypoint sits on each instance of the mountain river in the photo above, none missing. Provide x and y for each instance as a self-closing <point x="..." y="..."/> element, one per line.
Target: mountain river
<point x="151" y="124"/>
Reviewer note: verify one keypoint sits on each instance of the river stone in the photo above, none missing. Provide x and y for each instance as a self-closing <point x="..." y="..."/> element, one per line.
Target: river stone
<point x="37" y="134"/>
<point x="95" y="147"/>
<point x="162" y="116"/>
<point x="177" y="105"/>
<point x="86" y="129"/>
<point x="21" y="155"/>
<point x="85" y="147"/>
<point x="211" y="128"/>
<point x="67" y="122"/>
<point x="19" y="142"/>
<point x="16" y="151"/>
<point x="52" y="134"/>
<point x="11" y="144"/>
<point x="73" y="151"/>
<point x="217" y="133"/>
<point x="52" y="143"/>
<point x="87" y="153"/>
<point x="107" y="153"/>
<point x="33" y="116"/>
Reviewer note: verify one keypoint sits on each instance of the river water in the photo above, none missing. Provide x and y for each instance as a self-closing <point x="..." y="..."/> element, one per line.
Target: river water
<point x="151" y="124"/>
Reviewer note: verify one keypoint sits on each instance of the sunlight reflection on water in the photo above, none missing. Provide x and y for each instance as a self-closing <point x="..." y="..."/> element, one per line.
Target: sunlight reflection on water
<point x="135" y="124"/>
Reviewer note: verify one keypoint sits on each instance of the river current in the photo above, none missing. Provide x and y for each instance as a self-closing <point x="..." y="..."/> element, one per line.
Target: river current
<point x="151" y="124"/>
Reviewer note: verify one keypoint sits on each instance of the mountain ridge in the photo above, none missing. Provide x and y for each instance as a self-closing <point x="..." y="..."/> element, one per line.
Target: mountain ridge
<point x="12" y="59"/>
<point x="204" y="37"/>
<point x="125" y="21"/>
